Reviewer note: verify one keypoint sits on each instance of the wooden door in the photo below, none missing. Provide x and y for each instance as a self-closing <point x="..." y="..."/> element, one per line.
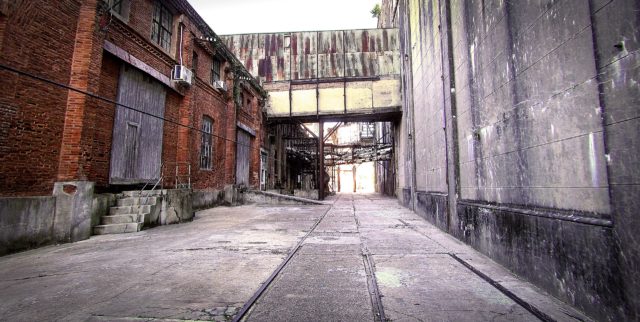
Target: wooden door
<point x="136" y="152"/>
<point x="243" y="155"/>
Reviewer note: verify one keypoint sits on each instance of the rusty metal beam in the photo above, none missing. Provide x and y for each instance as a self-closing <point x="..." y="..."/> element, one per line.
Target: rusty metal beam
<point x="308" y="130"/>
<point x="333" y="130"/>
<point x="380" y="115"/>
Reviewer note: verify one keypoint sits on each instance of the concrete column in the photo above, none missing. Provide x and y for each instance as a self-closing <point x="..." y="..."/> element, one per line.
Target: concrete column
<point x="355" y="188"/>
<point x="72" y="221"/>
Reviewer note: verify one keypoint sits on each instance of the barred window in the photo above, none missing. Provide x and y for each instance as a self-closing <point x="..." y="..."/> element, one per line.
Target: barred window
<point x="162" y="24"/>
<point x="215" y="70"/>
<point x="206" y="149"/>
<point x="194" y="63"/>
<point x="367" y="130"/>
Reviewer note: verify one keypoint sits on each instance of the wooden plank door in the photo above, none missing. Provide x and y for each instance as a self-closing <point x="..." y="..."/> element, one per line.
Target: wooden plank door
<point x="136" y="151"/>
<point x="243" y="155"/>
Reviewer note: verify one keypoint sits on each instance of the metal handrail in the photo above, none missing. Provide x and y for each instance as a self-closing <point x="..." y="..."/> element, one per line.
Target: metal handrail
<point x="162" y="176"/>
<point x="178" y="175"/>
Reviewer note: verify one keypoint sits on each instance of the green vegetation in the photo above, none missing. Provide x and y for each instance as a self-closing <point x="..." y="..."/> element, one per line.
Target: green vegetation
<point x="375" y="12"/>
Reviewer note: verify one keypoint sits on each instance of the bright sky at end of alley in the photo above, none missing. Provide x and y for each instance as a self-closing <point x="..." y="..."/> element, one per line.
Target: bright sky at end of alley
<point x="258" y="16"/>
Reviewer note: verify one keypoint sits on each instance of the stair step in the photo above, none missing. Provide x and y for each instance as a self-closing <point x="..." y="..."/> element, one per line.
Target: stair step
<point x="136" y="193"/>
<point x="123" y="210"/>
<point x="134" y="201"/>
<point x="117" y="228"/>
<point x="121" y="219"/>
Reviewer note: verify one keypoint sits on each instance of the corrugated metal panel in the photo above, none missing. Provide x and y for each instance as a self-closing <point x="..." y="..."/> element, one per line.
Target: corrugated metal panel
<point x="330" y="54"/>
<point x="137" y="139"/>
<point x="307" y="55"/>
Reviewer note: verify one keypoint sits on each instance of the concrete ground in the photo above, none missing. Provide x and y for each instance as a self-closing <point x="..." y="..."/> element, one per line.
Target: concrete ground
<point x="358" y="258"/>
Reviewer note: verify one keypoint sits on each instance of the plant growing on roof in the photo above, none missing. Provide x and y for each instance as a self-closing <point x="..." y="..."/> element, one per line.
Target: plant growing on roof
<point x="376" y="11"/>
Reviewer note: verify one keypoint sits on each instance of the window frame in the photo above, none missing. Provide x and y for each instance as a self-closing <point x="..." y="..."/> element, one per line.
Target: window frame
<point x="216" y="65"/>
<point x="162" y="25"/>
<point x="367" y="130"/>
<point x="194" y="63"/>
<point x="120" y="8"/>
<point x="206" y="143"/>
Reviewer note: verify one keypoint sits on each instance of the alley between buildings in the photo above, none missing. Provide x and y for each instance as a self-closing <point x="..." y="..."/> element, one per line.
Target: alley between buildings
<point x="360" y="257"/>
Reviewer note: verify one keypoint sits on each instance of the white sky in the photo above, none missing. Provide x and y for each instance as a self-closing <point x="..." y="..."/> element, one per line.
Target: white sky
<point x="257" y="16"/>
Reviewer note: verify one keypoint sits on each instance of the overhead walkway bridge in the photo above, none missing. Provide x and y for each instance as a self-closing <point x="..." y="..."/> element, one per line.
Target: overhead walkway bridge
<point x="341" y="75"/>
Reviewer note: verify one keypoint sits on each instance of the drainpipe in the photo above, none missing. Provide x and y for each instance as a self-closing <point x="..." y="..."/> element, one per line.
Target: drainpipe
<point x="321" y="160"/>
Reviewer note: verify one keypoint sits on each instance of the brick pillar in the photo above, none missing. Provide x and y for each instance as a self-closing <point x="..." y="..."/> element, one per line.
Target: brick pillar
<point x="185" y="118"/>
<point x="184" y="146"/>
<point x="79" y="122"/>
<point x="230" y="153"/>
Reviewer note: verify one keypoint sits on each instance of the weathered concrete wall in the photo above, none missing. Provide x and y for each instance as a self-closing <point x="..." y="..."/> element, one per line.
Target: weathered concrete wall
<point x="26" y="222"/>
<point x="524" y="125"/>
<point x="203" y="199"/>
<point x="307" y="194"/>
<point x="616" y="26"/>
<point x="176" y="206"/>
<point x="73" y="210"/>
<point x="100" y="206"/>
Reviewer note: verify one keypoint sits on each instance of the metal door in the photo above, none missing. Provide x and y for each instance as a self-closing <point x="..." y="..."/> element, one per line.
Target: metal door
<point x="243" y="155"/>
<point x="136" y="152"/>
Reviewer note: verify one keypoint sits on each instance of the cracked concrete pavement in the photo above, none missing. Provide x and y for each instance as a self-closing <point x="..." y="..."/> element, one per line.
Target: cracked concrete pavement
<point x="209" y="268"/>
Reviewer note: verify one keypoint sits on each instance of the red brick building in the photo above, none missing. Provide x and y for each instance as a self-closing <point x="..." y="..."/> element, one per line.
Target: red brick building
<point x="121" y="51"/>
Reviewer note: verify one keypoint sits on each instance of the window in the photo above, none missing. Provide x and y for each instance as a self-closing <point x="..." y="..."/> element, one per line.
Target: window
<point x="115" y="5"/>
<point x="119" y="7"/>
<point x="215" y="70"/>
<point x="367" y="130"/>
<point x="206" y="146"/>
<point x="162" y="24"/>
<point x="194" y="63"/>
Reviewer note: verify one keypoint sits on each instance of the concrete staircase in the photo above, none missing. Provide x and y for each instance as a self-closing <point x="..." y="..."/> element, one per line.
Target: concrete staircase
<point x="131" y="212"/>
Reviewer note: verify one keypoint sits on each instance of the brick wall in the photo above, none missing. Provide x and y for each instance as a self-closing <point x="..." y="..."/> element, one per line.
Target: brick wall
<point x="51" y="41"/>
<point x="38" y="38"/>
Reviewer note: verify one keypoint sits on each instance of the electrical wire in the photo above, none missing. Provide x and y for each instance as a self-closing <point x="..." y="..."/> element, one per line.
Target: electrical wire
<point x="101" y="98"/>
<point x="71" y="88"/>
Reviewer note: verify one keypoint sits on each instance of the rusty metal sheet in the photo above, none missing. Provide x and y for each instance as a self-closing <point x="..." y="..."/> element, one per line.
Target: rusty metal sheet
<point x="318" y="54"/>
<point x="304" y="47"/>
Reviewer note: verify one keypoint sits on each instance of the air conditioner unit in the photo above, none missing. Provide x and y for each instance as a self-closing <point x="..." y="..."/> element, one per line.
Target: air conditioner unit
<point x="182" y="74"/>
<point x="220" y="85"/>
